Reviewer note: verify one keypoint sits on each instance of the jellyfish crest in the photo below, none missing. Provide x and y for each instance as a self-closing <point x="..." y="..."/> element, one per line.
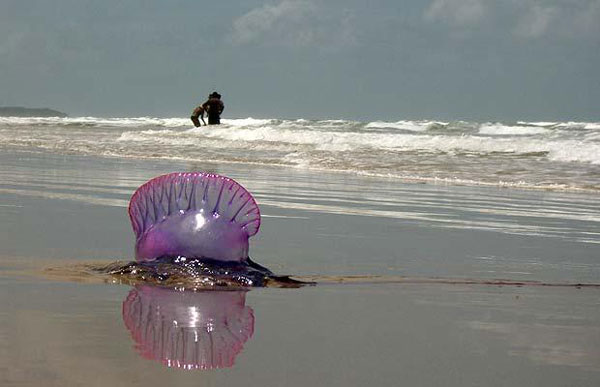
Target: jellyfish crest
<point x="194" y="215"/>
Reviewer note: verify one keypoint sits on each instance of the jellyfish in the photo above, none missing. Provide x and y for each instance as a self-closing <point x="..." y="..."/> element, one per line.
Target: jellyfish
<point x="197" y="225"/>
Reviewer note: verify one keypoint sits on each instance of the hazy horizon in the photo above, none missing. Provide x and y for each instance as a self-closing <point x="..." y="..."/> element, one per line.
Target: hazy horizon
<point x="447" y="60"/>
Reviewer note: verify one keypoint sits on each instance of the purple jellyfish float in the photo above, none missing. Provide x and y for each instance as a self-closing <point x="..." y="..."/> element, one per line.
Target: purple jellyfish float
<point x="195" y="227"/>
<point x="195" y="215"/>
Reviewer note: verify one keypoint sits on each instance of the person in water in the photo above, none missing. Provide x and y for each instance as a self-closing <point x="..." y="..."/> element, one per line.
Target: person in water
<point x="197" y="115"/>
<point x="214" y="107"/>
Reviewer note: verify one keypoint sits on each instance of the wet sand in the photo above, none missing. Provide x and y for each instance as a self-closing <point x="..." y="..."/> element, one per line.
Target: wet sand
<point x="62" y="210"/>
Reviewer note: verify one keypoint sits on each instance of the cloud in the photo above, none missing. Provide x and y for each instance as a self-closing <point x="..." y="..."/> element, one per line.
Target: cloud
<point x="570" y="19"/>
<point x="287" y="19"/>
<point x="524" y="19"/>
<point x="536" y="21"/>
<point x="456" y="12"/>
<point x="295" y="23"/>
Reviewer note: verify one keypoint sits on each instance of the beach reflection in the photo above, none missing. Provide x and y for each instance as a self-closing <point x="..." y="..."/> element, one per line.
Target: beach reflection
<point x="186" y="329"/>
<point x="548" y="343"/>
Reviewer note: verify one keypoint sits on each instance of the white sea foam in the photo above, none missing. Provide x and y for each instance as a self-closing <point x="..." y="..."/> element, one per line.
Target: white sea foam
<point x="542" y="123"/>
<point x="247" y="122"/>
<point x="592" y="126"/>
<point x="413" y="126"/>
<point x="499" y="129"/>
<point x="266" y="137"/>
<point x="540" y="154"/>
<point x="578" y="125"/>
<point x="132" y="122"/>
<point x="575" y="151"/>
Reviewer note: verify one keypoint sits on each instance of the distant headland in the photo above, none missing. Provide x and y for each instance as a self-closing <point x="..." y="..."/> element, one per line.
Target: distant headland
<point x="17" y="111"/>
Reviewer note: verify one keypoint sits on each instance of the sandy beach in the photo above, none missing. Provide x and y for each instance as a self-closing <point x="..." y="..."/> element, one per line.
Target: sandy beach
<point x="58" y="209"/>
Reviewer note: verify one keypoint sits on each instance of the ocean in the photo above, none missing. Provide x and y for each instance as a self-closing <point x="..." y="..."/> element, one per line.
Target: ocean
<point x="533" y="155"/>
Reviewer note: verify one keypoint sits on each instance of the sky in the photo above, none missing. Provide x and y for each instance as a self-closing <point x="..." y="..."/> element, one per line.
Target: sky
<point x="482" y="60"/>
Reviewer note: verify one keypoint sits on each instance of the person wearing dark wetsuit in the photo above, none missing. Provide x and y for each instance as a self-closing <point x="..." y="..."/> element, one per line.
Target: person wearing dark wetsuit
<point x="214" y="107"/>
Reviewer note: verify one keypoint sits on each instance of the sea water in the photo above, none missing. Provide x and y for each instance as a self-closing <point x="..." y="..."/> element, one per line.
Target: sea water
<point x="538" y="155"/>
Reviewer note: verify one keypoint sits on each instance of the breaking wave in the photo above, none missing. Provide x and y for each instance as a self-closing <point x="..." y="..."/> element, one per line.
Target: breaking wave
<point x="548" y="155"/>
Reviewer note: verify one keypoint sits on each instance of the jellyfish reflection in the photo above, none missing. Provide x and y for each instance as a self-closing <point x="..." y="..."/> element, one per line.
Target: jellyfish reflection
<point x="185" y="329"/>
